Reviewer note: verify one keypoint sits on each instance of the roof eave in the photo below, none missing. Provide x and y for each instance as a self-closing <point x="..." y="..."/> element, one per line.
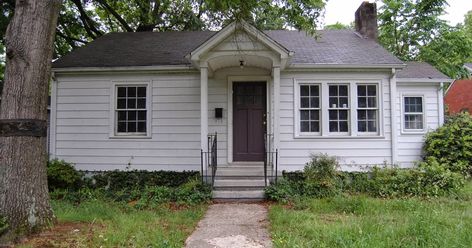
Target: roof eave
<point x="125" y="68"/>
<point x="424" y="80"/>
<point x="345" y="66"/>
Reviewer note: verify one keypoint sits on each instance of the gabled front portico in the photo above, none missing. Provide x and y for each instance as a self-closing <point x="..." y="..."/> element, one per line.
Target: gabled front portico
<point x="245" y="49"/>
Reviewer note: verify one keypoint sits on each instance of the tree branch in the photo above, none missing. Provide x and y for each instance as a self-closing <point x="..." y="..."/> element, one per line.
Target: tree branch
<point x="116" y="15"/>
<point x="69" y="39"/>
<point x="89" y="25"/>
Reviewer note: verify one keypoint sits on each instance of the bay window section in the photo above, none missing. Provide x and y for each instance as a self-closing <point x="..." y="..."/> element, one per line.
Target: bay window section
<point x="367" y="108"/>
<point x="338" y="108"/>
<point x="309" y="108"/>
<point x="131" y="110"/>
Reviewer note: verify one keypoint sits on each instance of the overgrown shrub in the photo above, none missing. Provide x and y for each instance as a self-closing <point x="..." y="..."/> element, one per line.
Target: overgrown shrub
<point x="3" y="225"/>
<point x="117" y="180"/>
<point x="451" y="144"/>
<point x="143" y="189"/>
<point x="62" y="175"/>
<point x="318" y="179"/>
<point x="431" y="180"/>
<point x="321" y="176"/>
<point x="283" y="191"/>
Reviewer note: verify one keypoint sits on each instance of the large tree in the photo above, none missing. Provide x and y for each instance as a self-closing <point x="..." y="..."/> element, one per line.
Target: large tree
<point x="406" y="25"/>
<point x="82" y="21"/>
<point x="24" y="198"/>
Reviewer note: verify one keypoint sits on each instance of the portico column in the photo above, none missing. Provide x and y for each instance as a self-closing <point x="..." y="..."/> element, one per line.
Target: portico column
<point x="204" y="107"/>
<point x="276" y="80"/>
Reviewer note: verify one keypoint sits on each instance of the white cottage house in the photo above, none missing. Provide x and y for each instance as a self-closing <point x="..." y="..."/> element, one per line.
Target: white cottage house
<point x="150" y="100"/>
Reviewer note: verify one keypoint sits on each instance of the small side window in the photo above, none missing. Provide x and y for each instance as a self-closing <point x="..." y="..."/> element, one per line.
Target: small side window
<point x="413" y="113"/>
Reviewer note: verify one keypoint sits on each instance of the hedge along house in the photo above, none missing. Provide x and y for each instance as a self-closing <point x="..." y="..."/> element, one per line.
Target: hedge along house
<point x="150" y="101"/>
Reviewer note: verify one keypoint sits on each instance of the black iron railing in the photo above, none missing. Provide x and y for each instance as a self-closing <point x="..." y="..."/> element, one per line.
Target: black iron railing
<point x="270" y="159"/>
<point x="209" y="160"/>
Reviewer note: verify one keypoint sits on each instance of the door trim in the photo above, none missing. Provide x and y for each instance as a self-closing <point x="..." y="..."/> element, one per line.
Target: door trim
<point x="249" y="79"/>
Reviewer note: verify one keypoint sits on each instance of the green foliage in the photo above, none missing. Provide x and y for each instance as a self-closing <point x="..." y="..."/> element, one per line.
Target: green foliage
<point x="431" y="181"/>
<point x="449" y="51"/>
<point x="451" y="144"/>
<point x="405" y="25"/>
<point x="3" y="225"/>
<point x="338" y="26"/>
<point x="62" y="175"/>
<point x="283" y="191"/>
<point x="104" y="223"/>
<point x="319" y="179"/>
<point x="320" y="175"/>
<point x="363" y="221"/>
<point x="117" y="180"/>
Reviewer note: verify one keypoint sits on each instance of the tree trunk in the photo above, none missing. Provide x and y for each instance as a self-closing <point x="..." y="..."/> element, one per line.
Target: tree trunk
<point x="24" y="198"/>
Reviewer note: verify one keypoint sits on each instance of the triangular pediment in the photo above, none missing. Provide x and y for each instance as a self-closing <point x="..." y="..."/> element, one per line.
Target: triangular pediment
<point x="239" y="37"/>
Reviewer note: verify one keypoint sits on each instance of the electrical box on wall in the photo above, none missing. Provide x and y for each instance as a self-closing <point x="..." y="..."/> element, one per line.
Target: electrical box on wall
<point x="218" y="113"/>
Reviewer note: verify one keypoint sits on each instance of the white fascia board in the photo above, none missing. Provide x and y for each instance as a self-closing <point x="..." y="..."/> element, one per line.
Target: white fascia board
<point x="424" y="80"/>
<point x="346" y="66"/>
<point x="161" y="68"/>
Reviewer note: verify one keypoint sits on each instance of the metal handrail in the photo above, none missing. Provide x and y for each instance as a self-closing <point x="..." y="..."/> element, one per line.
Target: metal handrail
<point x="269" y="160"/>
<point x="209" y="160"/>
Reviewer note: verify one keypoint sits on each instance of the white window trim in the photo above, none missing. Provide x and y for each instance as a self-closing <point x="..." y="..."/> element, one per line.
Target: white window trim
<point x="112" y="127"/>
<point x="349" y="109"/>
<point x="324" y="98"/>
<point x="378" y="108"/>
<point x="298" y="108"/>
<point x="412" y="131"/>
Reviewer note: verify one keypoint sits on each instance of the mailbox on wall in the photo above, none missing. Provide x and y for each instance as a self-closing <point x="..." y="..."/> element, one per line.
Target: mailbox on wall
<point x="218" y="113"/>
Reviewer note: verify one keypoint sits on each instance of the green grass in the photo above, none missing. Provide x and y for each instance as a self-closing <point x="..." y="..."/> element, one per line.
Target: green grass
<point x="118" y="225"/>
<point x="362" y="221"/>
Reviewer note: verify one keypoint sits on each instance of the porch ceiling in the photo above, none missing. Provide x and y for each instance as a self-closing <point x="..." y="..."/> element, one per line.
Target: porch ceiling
<point x="236" y="60"/>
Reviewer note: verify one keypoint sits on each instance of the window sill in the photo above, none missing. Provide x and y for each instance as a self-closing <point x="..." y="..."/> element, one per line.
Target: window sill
<point x="413" y="132"/>
<point x="130" y="137"/>
<point x="338" y="137"/>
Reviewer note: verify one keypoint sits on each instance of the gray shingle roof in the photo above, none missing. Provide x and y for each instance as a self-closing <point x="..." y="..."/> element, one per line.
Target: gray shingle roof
<point x="342" y="47"/>
<point x="420" y="70"/>
<point x="468" y="65"/>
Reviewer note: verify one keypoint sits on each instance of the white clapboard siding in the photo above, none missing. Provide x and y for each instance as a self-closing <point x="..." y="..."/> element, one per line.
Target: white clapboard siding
<point x="410" y="145"/>
<point x="83" y="123"/>
<point x="83" y="128"/>
<point x="351" y="152"/>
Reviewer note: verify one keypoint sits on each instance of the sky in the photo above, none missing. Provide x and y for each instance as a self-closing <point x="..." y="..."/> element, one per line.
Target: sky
<point x="343" y="11"/>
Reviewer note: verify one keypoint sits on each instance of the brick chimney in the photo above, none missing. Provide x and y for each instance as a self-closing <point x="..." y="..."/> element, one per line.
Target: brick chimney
<point x="366" y="20"/>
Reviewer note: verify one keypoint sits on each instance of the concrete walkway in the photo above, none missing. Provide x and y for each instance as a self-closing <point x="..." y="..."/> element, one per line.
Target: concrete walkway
<point x="232" y="225"/>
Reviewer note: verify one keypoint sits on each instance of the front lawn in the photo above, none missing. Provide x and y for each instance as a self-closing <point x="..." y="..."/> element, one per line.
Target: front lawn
<point x="362" y="221"/>
<point x="100" y="223"/>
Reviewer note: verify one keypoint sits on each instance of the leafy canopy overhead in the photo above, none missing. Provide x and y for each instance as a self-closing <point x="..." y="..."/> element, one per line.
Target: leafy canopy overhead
<point x="412" y="30"/>
<point x="82" y="21"/>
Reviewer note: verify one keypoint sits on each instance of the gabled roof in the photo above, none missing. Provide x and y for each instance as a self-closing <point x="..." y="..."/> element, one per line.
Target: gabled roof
<point x="229" y="30"/>
<point x="458" y="97"/>
<point x="334" y="47"/>
<point x="421" y="71"/>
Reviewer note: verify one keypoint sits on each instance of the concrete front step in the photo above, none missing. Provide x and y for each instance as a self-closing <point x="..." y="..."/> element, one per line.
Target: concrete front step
<point x="239" y="183"/>
<point x="238" y="194"/>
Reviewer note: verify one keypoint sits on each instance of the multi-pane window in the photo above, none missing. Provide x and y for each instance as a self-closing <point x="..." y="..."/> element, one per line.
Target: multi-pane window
<point x="413" y="112"/>
<point x="367" y="108"/>
<point x="338" y="108"/>
<point x="130" y="110"/>
<point x="309" y="108"/>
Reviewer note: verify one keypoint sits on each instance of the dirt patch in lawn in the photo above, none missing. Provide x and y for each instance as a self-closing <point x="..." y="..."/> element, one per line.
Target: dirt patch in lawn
<point x="63" y="234"/>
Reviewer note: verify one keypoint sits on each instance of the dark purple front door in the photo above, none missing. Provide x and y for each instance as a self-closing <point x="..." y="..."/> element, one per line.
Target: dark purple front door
<point x="249" y="118"/>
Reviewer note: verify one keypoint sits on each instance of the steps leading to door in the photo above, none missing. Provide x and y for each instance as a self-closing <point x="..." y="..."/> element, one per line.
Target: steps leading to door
<point x="240" y="181"/>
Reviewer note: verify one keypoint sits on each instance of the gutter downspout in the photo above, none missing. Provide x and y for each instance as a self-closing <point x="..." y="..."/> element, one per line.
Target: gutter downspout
<point x="393" y="112"/>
